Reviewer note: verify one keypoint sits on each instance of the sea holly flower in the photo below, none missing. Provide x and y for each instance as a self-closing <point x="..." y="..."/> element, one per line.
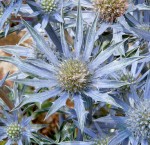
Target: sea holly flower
<point x="48" y="9"/>
<point x="110" y="10"/>
<point x="71" y="73"/>
<point x="16" y="128"/>
<point x="48" y="5"/>
<point x="134" y="75"/>
<point x="135" y="124"/>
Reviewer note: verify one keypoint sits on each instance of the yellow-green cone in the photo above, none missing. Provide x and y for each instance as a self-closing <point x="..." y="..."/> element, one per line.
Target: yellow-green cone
<point x="48" y="5"/>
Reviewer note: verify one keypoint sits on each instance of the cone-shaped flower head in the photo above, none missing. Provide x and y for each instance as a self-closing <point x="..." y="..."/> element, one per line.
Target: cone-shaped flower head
<point x="135" y="123"/>
<point x="110" y="10"/>
<point x="16" y="128"/>
<point x="73" y="75"/>
<point x="138" y="121"/>
<point x="14" y="131"/>
<point x="48" y="5"/>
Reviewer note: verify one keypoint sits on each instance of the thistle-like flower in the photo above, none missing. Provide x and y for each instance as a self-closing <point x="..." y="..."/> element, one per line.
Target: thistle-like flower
<point x="16" y="129"/>
<point x="49" y="10"/>
<point x="110" y="10"/>
<point x="135" y="124"/>
<point x="132" y="75"/>
<point x="138" y="120"/>
<point x="15" y="126"/>
<point x="48" y="5"/>
<point x="71" y="73"/>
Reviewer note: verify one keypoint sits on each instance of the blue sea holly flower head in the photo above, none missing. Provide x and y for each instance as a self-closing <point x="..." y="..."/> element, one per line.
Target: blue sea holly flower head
<point x="16" y="128"/>
<point x="48" y="9"/>
<point x="132" y="75"/>
<point x="135" y="124"/>
<point x="48" y="5"/>
<point x="72" y="73"/>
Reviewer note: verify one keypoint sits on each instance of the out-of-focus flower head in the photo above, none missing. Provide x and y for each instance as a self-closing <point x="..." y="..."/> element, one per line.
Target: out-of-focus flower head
<point x="48" y="9"/>
<point x="110" y="10"/>
<point x="16" y="128"/>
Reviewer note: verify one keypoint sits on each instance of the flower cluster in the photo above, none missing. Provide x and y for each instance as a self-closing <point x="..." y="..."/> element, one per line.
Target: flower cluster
<point x="83" y="73"/>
